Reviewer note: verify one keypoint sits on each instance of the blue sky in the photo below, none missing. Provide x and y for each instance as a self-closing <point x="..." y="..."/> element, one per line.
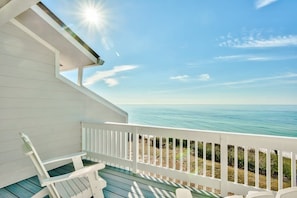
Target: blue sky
<point x="188" y="52"/>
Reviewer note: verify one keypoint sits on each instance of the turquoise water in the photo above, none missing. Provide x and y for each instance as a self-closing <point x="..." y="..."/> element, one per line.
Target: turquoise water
<point x="280" y="120"/>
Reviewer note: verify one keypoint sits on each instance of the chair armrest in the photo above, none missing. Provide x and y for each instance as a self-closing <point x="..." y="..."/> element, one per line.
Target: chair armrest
<point x="65" y="157"/>
<point x="78" y="173"/>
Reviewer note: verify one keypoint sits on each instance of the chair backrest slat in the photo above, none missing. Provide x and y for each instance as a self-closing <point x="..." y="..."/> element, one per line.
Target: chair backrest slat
<point x="30" y="150"/>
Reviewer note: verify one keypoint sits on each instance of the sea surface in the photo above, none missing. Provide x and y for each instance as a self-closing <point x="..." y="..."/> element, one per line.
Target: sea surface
<point x="279" y="120"/>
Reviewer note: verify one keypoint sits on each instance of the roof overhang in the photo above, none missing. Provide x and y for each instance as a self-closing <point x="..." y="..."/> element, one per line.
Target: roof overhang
<point x="74" y="52"/>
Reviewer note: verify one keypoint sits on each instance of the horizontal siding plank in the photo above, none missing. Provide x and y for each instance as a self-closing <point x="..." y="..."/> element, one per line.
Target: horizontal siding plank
<point x="15" y="42"/>
<point x="10" y="61"/>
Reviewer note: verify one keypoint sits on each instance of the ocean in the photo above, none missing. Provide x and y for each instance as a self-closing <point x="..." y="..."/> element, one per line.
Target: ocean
<point x="277" y="120"/>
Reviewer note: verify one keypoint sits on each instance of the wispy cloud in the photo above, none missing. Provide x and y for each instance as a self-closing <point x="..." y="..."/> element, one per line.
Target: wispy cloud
<point x="254" y="42"/>
<point x="255" y="80"/>
<point x="262" y="81"/>
<point x="108" y="76"/>
<point x="184" y="78"/>
<point x="250" y="57"/>
<point x="204" y="77"/>
<point x="262" y="3"/>
<point x="180" y="77"/>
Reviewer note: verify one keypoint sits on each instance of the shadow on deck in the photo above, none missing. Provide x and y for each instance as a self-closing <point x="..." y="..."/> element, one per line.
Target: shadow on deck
<point x="120" y="183"/>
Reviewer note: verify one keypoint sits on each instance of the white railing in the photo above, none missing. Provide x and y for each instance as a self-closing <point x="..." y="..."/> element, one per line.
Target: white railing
<point x="215" y="161"/>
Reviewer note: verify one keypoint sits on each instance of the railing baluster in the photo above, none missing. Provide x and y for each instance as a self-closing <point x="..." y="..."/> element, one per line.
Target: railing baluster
<point x="293" y="169"/>
<point x="83" y="137"/>
<point x="135" y="150"/>
<point x="167" y="152"/>
<point x="181" y="145"/>
<point x="161" y="150"/>
<point x="88" y="139"/>
<point x="126" y="144"/>
<point x="204" y="158"/>
<point x="280" y="169"/>
<point x="122" y="145"/>
<point x="142" y="145"/>
<point x="118" y="145"/>
<point x="174" y="153"/>
<point x="100" y="140"/>
<point x="155" y="151"/>
<point x="268" y="169"/>
<point x="224" y="166"/>
<point x="257" y="167"/>
<point x="196" y="157"/>
<point x="246" y="177"/>
<point x="95" y="140"/>
<point x="110" y="142"/>
<point x="130" y="145"/>
<point x="213" y="156"/>
<point x="188" y="156"/>
<point x="148" y="149"/>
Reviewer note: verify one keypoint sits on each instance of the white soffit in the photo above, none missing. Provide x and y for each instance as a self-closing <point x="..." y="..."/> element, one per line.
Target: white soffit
<point x="3" y="2"/>
<point x="74" y="52"/>
<point x="12" y="8"/>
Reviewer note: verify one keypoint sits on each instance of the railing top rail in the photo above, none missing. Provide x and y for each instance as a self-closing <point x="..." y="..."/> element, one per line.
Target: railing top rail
<point x="232" y="138"/>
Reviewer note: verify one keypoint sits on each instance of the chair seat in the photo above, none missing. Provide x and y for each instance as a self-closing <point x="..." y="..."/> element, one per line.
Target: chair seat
<point x="77" y="187"/>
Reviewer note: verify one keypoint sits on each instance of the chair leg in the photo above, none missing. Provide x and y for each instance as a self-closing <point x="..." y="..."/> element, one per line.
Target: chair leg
<point x="95" y="185"/>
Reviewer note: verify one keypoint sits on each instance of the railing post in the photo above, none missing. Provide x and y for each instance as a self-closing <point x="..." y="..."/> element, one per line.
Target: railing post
<point x="224" y="165"/>
<point x="135" y="138"/>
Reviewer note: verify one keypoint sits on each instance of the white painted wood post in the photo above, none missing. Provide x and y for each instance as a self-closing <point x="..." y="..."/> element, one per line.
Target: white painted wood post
<point x="293" y="168"/>
<point x="280" y="169"/>
<point x="268" y="169"/>
<point x="224" y="166"/>
<point x="135" y="150"/>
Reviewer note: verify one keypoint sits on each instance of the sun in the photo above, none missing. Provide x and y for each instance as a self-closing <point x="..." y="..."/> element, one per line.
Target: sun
<point x="93" y="15"/>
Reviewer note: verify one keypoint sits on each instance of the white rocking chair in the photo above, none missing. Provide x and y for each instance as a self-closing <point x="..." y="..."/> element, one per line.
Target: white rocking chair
<point x="83" y="182"/>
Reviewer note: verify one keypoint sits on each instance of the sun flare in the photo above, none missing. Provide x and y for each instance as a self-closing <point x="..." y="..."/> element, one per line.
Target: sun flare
<point x="93" y="15"/>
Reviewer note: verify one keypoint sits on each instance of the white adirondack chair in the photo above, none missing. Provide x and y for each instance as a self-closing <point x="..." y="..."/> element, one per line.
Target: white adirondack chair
<point x="183" y="193"/>
<point x="260" y="194"/>
<point x="83" y="182"/>
<point x="287" y="193"/>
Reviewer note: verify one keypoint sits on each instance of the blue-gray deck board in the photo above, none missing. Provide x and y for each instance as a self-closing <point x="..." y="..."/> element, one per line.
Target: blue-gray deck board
<point x="120" y="183"/>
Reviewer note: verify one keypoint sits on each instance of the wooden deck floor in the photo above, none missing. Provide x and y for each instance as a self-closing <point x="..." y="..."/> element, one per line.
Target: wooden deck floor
<point x="120" y="183"/>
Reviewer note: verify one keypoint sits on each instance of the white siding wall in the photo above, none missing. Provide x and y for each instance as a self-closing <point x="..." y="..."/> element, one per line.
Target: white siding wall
<point x="34" y="101"/>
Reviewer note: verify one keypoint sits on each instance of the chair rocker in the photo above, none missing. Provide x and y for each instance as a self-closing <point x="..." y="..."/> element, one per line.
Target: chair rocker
<point x="83" y="182"/>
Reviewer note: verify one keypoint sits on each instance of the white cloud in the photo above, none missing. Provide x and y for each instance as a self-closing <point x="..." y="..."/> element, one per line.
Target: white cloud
<point x="251" y="57"/>
<point x="180" y="78"/>
<point x="204" y="77"/>
<point x="201" y="77"/>
<point x="106" y="75"/>
<point x="111" y="82"/>
<point x="251" y="42"/>
<point x="263" y="81"/>
<point x="254" y="80"/>
<point x="262" y="3"/>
